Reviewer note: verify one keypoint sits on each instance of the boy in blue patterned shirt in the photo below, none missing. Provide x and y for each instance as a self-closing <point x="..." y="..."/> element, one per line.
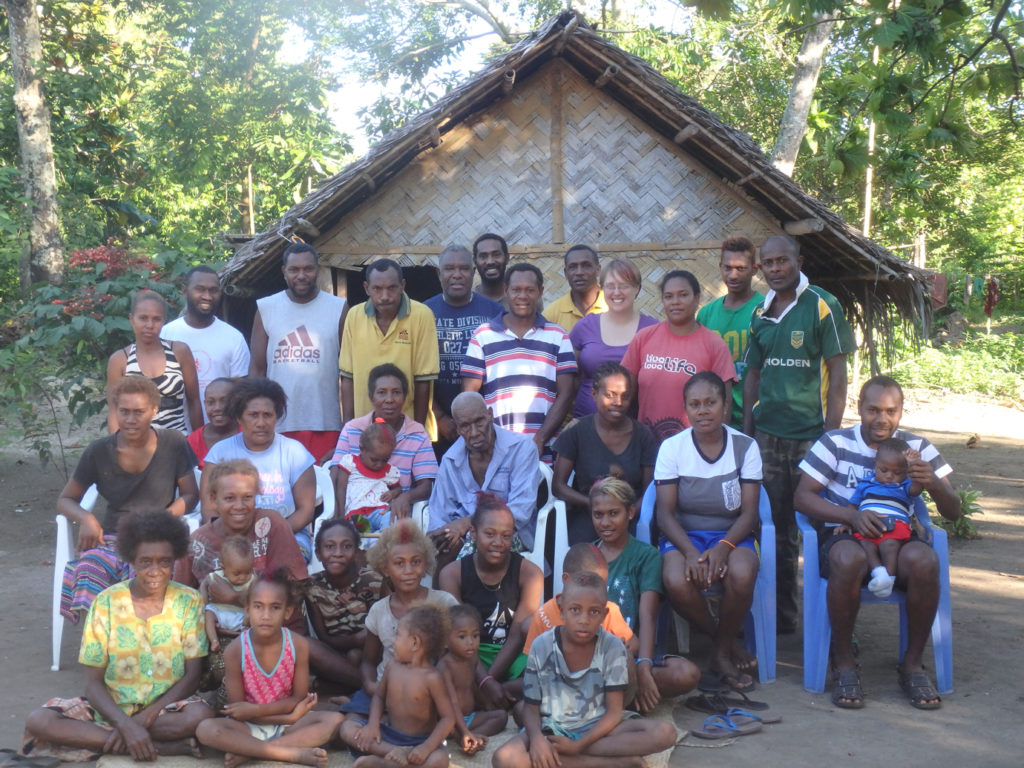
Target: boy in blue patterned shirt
<point x="888" y="493"/>
<point x="573" y="689"/>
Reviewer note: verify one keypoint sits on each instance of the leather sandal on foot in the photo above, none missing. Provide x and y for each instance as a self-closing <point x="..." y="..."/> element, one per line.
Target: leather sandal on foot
<point x="919" y="689"/>
<point x="847" y="693"/>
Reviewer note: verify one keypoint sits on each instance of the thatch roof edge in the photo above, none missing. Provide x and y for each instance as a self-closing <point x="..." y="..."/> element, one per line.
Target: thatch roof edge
<point x="868" y="280"/>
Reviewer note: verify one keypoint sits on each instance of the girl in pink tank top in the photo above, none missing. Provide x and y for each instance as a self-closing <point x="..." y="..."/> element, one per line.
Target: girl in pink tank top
<point x="267" y="681"/>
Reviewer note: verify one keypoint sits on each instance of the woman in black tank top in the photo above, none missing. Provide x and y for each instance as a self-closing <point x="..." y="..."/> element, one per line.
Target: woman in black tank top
<point x="501" y="585"/>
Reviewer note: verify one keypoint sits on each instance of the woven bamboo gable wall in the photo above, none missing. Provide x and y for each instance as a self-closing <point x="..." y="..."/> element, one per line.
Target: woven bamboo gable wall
<point x="556" y="162"/>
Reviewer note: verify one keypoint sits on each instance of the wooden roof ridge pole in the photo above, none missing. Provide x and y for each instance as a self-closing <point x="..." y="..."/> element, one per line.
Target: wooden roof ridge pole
<point x="557" y="160"/>
<point x="563" y="38"/>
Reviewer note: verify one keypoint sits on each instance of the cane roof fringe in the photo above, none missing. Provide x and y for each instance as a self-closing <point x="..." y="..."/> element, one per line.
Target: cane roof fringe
<point x="877" y="289"/>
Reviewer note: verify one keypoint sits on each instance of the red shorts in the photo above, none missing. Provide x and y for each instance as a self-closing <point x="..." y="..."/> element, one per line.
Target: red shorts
<point x="318" y="443"/>
<point x="900" y="532"/>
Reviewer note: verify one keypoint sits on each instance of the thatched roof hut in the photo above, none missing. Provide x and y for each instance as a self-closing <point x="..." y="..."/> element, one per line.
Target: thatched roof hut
<point x="564" y="139"/>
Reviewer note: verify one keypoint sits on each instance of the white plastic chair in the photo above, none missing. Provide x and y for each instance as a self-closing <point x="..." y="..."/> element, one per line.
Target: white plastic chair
<point x="325" y="495"/>
<point x="62" y="555"/>
<point x="561" y="532"/>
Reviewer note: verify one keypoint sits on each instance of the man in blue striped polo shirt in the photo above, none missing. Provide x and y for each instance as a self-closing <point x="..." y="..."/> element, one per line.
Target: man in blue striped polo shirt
<point x="523" y="365"/>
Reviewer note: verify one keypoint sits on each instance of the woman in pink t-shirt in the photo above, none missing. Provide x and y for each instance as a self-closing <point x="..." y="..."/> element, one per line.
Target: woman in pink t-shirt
<point x="663" y="357"/>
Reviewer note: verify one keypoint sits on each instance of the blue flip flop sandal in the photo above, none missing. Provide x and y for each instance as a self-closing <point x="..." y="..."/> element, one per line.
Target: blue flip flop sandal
<point x="741" y="716"/>
<point x="722" y="727"/>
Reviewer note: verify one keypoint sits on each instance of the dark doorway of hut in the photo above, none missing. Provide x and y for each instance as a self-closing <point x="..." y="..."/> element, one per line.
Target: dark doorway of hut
<point x="420" y="284"/>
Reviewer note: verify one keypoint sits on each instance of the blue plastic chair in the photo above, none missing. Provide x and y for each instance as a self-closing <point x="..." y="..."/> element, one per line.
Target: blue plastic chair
<point x="759" y="628"/>
<point x="818" y="629"/>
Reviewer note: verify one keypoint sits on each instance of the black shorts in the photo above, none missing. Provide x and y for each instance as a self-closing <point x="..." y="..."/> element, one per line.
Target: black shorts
<point x="828" y="540"/>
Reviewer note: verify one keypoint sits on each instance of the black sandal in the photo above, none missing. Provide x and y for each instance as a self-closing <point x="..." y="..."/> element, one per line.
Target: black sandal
<point x="720" y="704"/>
<point x="847" y="693"/>
<point x="919" y="689"/>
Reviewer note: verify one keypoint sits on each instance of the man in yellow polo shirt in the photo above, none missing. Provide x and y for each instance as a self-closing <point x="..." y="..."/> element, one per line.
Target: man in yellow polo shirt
<point x="585" y="295"/>
<point x="388" y="328"/>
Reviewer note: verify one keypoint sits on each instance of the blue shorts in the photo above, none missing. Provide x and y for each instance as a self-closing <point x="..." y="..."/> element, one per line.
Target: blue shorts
<point x="394" y="737"/>
<point x="359" y="704"/>
<point x="705" y="540"/>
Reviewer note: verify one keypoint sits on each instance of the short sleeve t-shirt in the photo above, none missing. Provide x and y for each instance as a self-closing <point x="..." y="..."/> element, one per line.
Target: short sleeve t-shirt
<point x="519" y="376"/>
<point x="592" y="352"/>
<point x="142" y="658"/>
<point x="709" y="486"/>
<point x="383" y="623"/>
<point x="790" y="351"/>
<point x="279" y="466"/>
<point x="888" y="500"/>
<point x="219" y="350"/>
<point x="410" y="343"/>
<point x="366" y="486"/>
<point x="573" y="700"/>
<point x="592" y="460"/>
<point x="273" y="547"/>
<point x="549" y="616"/>
<point x="413" y="455"/>
<point x="636" y="570"/>
<point x="152" y="488"/>
<point x="455" y="327"/>
<point x="344" y="610"/>
<point x="733" y="325"/>
<point x="841" y="458"/>
<point x="662" y="363"/>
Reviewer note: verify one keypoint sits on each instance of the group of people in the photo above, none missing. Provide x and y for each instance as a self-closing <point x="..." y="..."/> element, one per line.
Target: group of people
<point x="455" y="402"/>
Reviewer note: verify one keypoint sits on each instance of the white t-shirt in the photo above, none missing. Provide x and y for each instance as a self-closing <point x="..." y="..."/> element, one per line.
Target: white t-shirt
<point x="709" y="486"/>
<point x="219" y="350"/>
<point x="279" y="466"/>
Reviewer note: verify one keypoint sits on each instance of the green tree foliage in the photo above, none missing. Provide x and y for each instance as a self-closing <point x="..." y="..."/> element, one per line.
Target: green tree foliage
<point x="944" y="96"/>
<point x="160" y="112"/>
<point x="55" y="346"/>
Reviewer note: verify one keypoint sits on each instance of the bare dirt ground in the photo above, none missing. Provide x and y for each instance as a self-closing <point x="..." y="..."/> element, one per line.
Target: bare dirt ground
<point x="979" y="724"/>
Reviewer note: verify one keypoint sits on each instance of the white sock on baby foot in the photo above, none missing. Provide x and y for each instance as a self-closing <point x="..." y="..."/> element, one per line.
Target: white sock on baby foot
<point x="881" y="582"/>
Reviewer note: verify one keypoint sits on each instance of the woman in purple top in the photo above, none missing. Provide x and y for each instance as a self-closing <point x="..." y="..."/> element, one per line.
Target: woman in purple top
<point x="604" y="337"/>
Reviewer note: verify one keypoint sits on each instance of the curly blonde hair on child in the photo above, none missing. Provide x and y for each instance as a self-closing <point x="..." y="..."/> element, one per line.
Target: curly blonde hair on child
<point x="401" y="532"/>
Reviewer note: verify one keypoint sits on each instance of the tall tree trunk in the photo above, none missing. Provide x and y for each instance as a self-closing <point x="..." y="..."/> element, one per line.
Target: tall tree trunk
<point x="46" y="248"/>
<point x="793" y="125"/>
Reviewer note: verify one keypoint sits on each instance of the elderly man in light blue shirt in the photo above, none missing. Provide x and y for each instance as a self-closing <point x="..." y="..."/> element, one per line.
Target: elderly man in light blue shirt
<point x="484" y="458"/>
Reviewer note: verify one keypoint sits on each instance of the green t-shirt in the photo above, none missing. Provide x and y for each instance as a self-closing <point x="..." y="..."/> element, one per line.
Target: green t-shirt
<point x="791" y="351"/>
<point x="733" y="325"/>
<point x="636" y="570"/>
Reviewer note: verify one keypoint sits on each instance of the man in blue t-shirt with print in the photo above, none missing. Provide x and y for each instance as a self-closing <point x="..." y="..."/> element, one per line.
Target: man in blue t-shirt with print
<point x="458" y="312"/>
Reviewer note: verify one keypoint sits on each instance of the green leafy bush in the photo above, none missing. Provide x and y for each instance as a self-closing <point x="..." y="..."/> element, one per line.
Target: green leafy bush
<point x="964" y="526"/>
<point x="59" y="339"/>
<point x="988" y="364"/>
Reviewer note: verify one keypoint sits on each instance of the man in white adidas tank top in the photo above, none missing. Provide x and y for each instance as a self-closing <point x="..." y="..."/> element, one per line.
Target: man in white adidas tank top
<point x="296" y="340"/>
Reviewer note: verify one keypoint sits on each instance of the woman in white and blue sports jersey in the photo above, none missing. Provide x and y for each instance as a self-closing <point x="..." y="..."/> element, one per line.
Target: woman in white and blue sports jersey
<point x="708" y="480"/>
